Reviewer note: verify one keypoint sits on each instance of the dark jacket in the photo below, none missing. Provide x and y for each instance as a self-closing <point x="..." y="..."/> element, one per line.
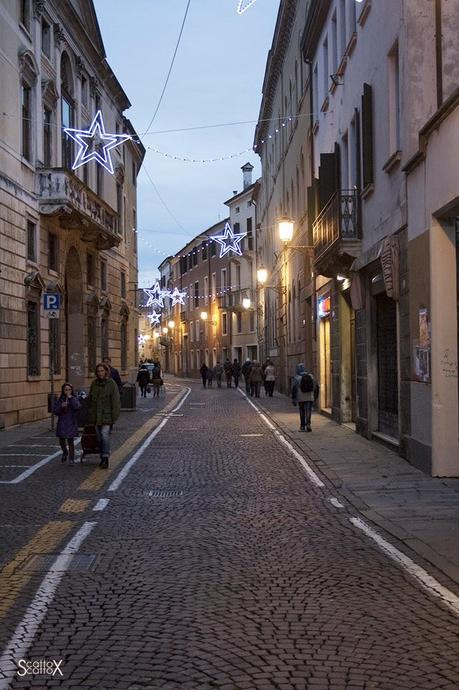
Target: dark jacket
<point x="256" y="373"/>
<point x="203" y="370"/>
<point x="104" y="402"/>
<point x="115" y="374"/>
<point x="143" y="377"/>
<point x="67" y="424"/>
<point x="236" y="369"/>
<point x="156" y="373"/>
<point x="297" y="393"/>
<point x="246" y="367"/>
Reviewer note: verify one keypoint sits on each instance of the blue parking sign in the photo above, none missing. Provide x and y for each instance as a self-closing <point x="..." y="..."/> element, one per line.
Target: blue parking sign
<point x="51" y="302"/>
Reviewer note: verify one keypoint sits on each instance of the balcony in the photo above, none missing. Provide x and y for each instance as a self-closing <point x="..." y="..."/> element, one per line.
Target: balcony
<point x="63" y="195"/>
<point x="233" y="300"/>
<point x="336" y="233"/>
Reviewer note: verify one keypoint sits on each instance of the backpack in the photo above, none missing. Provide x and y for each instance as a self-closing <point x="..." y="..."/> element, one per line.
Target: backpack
<point x="307" y="383"/>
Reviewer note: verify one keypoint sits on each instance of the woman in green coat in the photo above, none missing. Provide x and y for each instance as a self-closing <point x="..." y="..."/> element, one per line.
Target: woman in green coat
<point x="104" y="409"/>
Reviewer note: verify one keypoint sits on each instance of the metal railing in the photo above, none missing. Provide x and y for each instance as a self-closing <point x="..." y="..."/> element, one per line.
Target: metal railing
<point x="339" y="220"/>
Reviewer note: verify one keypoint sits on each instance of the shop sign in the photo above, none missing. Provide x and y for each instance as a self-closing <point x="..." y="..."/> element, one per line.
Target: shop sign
<point x="324" y="307"/>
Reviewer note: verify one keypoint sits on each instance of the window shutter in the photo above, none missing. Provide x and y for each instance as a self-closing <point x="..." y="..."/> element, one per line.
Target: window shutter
<point x="367" y="136"/>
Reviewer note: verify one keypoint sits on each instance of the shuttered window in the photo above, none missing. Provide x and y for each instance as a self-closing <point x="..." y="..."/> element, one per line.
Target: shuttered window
<point x="367" y="136"/>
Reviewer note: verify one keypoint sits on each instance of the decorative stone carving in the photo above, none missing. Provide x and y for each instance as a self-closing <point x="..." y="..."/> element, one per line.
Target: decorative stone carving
<point x="49" y="93"/>
<point x="93" y="85"/>
<point x="119" y="173"/>
<point x="79" y="64"/>
<point x="28" y="67"/>
<point x="34" y="282"/>
<point x="38" y="7"/>
<point x="59" y="35"/>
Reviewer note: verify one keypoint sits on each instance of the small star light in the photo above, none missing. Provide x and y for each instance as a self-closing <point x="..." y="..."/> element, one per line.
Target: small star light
<point x="244" y="5"/>
<point x="229" y="241"/>
<point x="177" y="297"/>
<point x="155" y="318"/>
<point x="92" y="146"/>
<point x="155" y="296"/>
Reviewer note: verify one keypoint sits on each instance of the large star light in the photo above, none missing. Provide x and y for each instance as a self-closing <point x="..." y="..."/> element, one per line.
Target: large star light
<point x="177" y="297"/>
<point x="229" y="241"/>
<point x="244" y="5"/>
<point x="95" y="144"/>
<point x="154" y="317"/>
<point x="155" y="296"/>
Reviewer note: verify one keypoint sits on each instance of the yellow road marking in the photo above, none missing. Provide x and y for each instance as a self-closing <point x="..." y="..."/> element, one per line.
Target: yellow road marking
<point x="12" y="578"/>
<point x="74" y="505"/>
<point x="99" y="477"/>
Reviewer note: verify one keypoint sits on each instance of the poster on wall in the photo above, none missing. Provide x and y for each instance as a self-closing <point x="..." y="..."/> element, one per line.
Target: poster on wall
<point x="422" y="363"/>
<point x="424" y="328"/>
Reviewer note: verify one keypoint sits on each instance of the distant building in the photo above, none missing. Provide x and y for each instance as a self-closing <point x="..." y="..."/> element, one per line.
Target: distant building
<point x="64" y="232"/>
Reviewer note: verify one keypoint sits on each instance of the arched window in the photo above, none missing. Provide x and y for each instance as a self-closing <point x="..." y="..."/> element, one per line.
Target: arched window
<point x="67" y="109"/>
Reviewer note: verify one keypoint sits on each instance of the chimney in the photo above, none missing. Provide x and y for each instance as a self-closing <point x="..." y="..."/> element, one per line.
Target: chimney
<point x="247" y="175"/>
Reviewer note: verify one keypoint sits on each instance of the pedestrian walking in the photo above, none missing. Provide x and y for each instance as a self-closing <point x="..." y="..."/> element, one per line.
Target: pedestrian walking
<point x="246" y="367"/>
<point x="228" y="372"/>
<point x="256" y="377"/>
<point x="263" y="367"/>
<point x="210" y="376"/>
<point x="203" y="370"/>
<point x="143" y="379"/>
<point x="305" y="391"/>
<point x="270" y="378"/>
<point x="236" y="372"/>
<point x="114" y="373"/>
<point x="103" y="409"/>
<point x="156" y="380"/>
<point x="218" y="372"/>
<point x="66" y="408"/>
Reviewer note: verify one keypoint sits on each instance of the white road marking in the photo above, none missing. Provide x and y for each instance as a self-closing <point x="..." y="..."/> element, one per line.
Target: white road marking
<point x="198" y="404"/>
<point x="334" y="501"/>
<point x="315" y="479"/>
<point x="116" y="483"/>
<point x="101" y="504"/>
<point x="250" y="435"/>
<point x="20" y="455"/>
<point x="21" y="466"/>
<point x="32" y="445"/>
<point x="34" y="468"/>
<point x="429" y="583"/>
<point x="25" y="632"/>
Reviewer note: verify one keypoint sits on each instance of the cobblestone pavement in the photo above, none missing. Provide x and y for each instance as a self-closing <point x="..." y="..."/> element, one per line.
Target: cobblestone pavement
<point x="218" y="564"/>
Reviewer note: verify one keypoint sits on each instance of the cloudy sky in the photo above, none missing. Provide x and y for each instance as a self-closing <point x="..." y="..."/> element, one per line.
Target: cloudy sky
<point x="216" y="79"/>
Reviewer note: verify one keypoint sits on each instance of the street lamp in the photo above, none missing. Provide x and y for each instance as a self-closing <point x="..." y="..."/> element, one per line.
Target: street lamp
<point x="246" y="302"/>
<point x="165" y="330"/>
<point x="205" y="317"/>
<point x="171" y="324"/>
<point x="286" y="227"/>
<point x="262" y="275"/>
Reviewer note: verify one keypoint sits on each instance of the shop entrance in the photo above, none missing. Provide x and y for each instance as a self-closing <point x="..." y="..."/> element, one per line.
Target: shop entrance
<point x="386" y="337"/>
<point x="325" y="365"/>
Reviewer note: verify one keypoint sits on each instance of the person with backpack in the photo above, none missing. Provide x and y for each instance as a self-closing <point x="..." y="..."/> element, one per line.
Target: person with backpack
<point x="246" y="367"/>
<point x="304" y="391"/>
<point x="143" y="379"/>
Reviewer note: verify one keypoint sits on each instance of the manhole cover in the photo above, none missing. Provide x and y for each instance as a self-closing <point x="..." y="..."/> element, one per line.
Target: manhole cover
<point x="48" y="562"/>
<point x="164" y="493"/>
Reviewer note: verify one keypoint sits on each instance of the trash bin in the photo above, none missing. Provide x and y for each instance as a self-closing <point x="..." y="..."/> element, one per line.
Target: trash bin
<point x="52" y="397"/>
<point x="129" y="396"/>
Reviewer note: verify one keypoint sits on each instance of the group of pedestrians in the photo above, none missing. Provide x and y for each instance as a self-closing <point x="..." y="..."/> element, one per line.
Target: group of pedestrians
<point x="149" y="377"/>
<point x="252" y="371"/>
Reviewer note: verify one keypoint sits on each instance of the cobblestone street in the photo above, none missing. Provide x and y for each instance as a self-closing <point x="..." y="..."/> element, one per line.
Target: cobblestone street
<point x="217" y="562"/>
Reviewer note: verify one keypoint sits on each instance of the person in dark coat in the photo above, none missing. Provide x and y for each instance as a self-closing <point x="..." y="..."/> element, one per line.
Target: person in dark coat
<point x="203" y="371"/>
<point x="156" y="379"/>
<point x="103" y="409"/>
<point x="246" y="367"/>
<point x="256" y="377"/>
<point x="65" y="408"/>
<point x="210" y="376"/>
<point x="143" y="379"/>
<point x="114" y="373"/>
<point x="236" y="371"/>
<point x="228" y="372"/>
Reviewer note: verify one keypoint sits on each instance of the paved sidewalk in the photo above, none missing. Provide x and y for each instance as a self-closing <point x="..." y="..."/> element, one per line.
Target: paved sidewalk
<point x="421" y="511"/>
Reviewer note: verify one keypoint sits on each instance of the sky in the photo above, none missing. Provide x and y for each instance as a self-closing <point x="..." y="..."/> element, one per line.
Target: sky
<point x="217" y="78"/>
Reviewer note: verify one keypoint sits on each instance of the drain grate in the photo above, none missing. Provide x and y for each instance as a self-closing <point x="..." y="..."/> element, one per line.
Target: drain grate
<point x="164" y="493"/>
<point x="47" y="562"/>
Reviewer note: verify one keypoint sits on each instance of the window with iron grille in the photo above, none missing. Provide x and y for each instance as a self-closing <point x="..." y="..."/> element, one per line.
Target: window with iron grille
<point x="196" y="294"/>
<point x="33" y="339"/>
<point x="52" y="252"/>
<point x="55" y="344"/>
<point x="92" y="344"/>
<point x="104" y="338"/>
<point x="123" y="284"/>
<point x="367" y="136"/>
<point x="123" y="345"/>
<point x="31" y="241"/>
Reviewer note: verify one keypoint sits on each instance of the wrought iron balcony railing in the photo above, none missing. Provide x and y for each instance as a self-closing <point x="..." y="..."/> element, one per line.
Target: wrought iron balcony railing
<point x="339" y="220"/>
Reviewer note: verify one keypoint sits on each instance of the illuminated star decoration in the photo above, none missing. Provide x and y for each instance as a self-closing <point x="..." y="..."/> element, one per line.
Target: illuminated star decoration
<point x="95" y="144"/>
<point x="155" y="318"/>
<point x="177" y="297"/>
<point x="243" y="5"/>
<point x="229" y="241"/>
<point x="155" y="296"/>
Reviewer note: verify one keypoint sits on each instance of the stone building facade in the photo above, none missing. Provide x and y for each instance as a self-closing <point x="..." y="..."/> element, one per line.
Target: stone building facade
<point x="64" y="232"/>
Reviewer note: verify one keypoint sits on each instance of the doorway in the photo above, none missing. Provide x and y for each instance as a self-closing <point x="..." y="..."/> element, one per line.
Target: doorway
<point x="386" y="339"/>
<point x="325" y="365"/>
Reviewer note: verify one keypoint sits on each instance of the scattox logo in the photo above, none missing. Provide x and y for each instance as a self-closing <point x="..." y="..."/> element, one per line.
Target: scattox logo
<point x="40" y="667"/>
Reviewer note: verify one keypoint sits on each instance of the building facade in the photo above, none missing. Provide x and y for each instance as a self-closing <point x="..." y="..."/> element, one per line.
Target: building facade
<point x="65" y="232"/>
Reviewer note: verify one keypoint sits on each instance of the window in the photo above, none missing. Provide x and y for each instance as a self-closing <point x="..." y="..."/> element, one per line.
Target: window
<point x="196" y="294"/>
<point x="123" y="345"/>
<point x="26" y="99"/>
<point x="55" y="344"/>
<point x="134" y="173"/>
<point x="206" y="290"/>
<point x="52" y="252"/>
<point x="198" y="330"/>
<point x="67" y="143"/>
<point x="213" y="287"/>
<point x="47" y="138"/>
<point x="249" y="234"/>
<point x="213" y="248"/>
<point x="103" y="275"/>
<point x="192" y="331"/>
<point x="325" y="74"/>
<point x="224" y="324"/>
<point x="123" y="285"/>
<point x="99" y="180"/>
<point x="238" y="276"/>
<point x="119" y="207"/>
<point x="31" y="241"/>
<point x="92" y="346"/>
<point x="394" y="99"/>
<point x="223" y="285"/>
<point x="84" y="91"/>
<point x="104" y="338"/>
<point x="204" y="251"/>
<point x="33" y="339"/>
<point x="195" y="256"/>
<point x="342" y="26"/>
<point x="237" y="209"/>
<point x="315" y="93"/>
<point x="252" y="321"/>
<point x="24" y="13"/>
<point x="45" y="38"/>
<point x="367" y="135"/>
<point x="239" y="322"/>
<point x="334" y="29"/>
<point x="89" y="269"/>
<point x="134" y="228"/>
